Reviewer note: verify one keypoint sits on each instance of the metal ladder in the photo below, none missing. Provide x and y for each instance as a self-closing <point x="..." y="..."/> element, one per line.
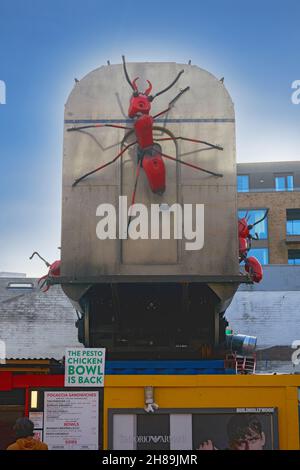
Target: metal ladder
<point x="243" y="365"/>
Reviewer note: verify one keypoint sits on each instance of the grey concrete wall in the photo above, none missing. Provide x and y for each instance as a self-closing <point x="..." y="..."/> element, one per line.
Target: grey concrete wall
<point x="204" y="112"/>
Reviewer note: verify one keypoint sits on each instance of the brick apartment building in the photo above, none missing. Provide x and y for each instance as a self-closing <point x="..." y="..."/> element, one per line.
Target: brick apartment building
<point x="270" y="310"/>
<point x="274" y="186"/>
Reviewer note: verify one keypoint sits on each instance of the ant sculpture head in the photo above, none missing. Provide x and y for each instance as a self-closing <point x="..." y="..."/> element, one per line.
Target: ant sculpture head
<point x="139" y="102"/>
<point x="244" y="227"/>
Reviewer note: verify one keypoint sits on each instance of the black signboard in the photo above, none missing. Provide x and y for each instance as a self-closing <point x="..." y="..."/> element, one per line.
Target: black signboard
<point x="194" y="429"/>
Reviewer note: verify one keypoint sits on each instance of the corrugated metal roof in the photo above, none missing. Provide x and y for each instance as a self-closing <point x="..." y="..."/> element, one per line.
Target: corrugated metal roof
<point x="34" y="324"/>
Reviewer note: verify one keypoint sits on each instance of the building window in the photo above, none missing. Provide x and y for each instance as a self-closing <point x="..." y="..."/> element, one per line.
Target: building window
<point x="20" y="285"/>
<point x="243" y="183"/>
<point x="284" y="183"/>
<point x="294" y="256"/>
<point x="293" y="221"/>
<point x="253" y="216"/>
<point x="262" y="254"/>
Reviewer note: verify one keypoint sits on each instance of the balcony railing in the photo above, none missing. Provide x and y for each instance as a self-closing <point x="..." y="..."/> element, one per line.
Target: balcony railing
<point x="269" y="190"/>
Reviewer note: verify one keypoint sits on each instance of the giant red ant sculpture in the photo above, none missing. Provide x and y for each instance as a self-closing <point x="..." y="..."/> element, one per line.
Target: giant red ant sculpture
<point x="149" y="154"/>
<point x="252" y="265"/>
<point x="54" y="271"/>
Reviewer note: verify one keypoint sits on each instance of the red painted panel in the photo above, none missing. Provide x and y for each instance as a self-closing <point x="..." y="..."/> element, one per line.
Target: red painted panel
<point x="6" y="381"/>
<point x="38" y="380"/>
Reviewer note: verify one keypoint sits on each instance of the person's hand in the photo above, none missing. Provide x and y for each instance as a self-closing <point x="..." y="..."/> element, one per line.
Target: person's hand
<point x="207" y="445"/>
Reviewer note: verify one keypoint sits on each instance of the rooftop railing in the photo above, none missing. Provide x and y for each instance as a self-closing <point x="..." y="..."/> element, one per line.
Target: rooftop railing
<point x="269" y="190"/>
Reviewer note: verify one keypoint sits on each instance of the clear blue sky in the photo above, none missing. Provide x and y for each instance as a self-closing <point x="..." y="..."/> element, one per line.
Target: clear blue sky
<point x="44" y="44"/>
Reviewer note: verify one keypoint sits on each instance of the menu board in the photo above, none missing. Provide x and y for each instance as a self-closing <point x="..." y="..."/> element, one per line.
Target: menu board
<point x="71" y="420"/>
<point x="37" y="418"/>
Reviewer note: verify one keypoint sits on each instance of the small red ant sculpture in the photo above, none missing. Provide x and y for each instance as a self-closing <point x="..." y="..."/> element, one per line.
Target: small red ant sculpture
<point x="149" y="154"/>
<point x="54" y="271"/>
<point x="252" y="265"/>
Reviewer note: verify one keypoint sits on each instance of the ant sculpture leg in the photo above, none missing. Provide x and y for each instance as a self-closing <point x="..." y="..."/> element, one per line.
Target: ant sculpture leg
<point x="197" y="141"/>
<point x="43" y="283"/>
<point x="171" y="104"/>
<point x="190" y="164"/>
<point x="43" y="259"/>
<point x="71" y="129"/>
<point x="138" y="171"/>
<point x="195" y="167"/>
<point x="105" y="164"/>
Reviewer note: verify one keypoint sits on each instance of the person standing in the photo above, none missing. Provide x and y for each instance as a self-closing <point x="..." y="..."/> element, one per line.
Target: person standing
<point x="24" y="429"/>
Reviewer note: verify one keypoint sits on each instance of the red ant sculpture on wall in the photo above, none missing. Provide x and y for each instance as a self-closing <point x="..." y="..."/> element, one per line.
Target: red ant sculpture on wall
<point x="54" y="271"/>
<point x="149" y="157"/>
<point x="149" y="154"/>
<point x="252" y="265"/>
